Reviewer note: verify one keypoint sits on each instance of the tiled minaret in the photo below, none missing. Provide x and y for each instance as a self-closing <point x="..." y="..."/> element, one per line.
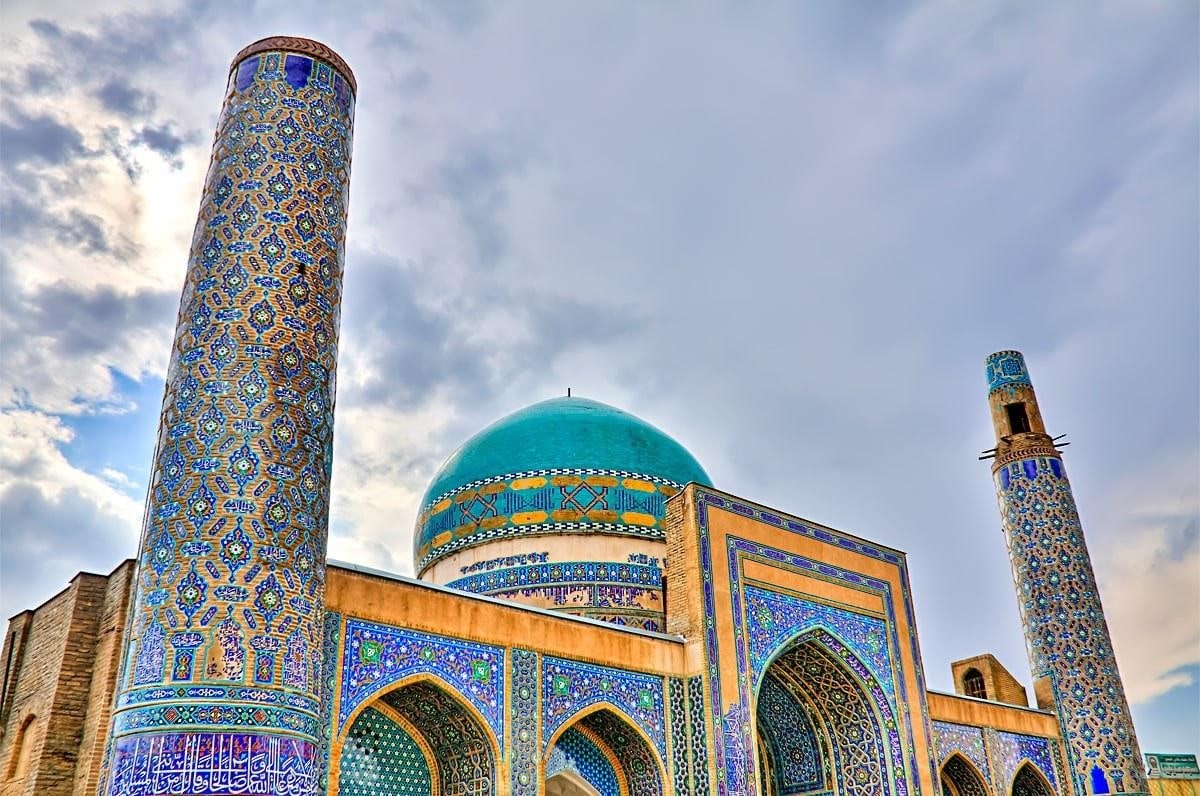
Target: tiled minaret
<point x="219" y="689"/>
<point x="1070" y="651"/>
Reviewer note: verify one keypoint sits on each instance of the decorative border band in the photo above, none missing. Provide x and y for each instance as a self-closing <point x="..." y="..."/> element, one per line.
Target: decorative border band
<point x="296" y="44"/>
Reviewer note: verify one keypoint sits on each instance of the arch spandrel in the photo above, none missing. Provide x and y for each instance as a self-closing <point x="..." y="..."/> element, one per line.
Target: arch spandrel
<point x="571" y="687"/>
<point x="377" y="658"/>
<point x="776" y="622"/>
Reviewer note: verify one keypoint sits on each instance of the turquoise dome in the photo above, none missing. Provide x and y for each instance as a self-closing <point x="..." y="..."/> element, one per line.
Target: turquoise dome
<point x="520" y="475"/>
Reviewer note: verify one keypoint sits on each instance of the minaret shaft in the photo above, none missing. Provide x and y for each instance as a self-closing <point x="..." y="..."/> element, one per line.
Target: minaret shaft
<point x="1070" y="651"/>
<point x="219" y="690"/>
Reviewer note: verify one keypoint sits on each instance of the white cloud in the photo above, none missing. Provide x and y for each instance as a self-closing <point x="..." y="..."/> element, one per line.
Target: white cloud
<point x="1149" y="577"/>
<point x="787" y="233"/>
<point x="55" y="518"/>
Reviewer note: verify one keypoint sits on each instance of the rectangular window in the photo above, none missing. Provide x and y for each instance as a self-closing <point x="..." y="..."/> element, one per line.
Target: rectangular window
<point x="1018" y="419"/>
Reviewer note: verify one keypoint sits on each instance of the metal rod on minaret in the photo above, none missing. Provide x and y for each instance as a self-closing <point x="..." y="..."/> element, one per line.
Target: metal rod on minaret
<point x="219" y="690"/>
<point x="1070" y="650"/>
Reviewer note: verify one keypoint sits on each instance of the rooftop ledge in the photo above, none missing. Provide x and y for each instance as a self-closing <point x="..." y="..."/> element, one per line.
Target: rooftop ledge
<point x="991" y="702"/>
<point x="392" y="576"/>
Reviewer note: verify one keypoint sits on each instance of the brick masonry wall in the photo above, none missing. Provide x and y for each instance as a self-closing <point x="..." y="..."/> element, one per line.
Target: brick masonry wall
<point x="1008" y="689"/>
<point x="14" y="648"/>
<point x="65" y="655"/>
<point x="33" y="687"/>
<point x="1001" y="686"/>
<point x="107" y="662"/>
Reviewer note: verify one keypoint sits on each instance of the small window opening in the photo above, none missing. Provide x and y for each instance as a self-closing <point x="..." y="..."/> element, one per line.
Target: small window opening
<point x="1018" y="419"/>
<point x="973" y="684"/>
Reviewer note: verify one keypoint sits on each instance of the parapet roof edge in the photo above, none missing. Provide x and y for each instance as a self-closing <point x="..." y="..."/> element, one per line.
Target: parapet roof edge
<point x="991" y="702"/>
<point x="798" y="518"/>
<point x="393" y="576"/>
<point x="67" y="588"/>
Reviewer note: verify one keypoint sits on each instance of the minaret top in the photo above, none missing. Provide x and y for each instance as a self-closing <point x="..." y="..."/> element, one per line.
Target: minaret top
<point x="1016" y="418"/>
<point x="1006" y="368"/>
<point x="302" y="46"/>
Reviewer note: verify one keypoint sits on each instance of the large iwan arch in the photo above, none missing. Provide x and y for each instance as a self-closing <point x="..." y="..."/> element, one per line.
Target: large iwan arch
<point x="819" y="727"/>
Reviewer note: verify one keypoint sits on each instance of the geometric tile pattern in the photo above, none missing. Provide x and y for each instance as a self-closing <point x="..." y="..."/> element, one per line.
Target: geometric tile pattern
<point x="380" y="759"/>
<point x="230" y="587"/>
<point x="677" y="710"/>
<point x="775" y="619"/>
<point x="1029" y="782"/>
<point x="525" y="755"/>
<point x="964" y="777"/>
<point x="377" y="655"/>
<point x="1012" y="750"/>
<point x="1064" y="622"/>
<point x="698" y="735"/>
<point x="576" y="751"/>
<point x="795" y="750"/>
<point x="636" y="762"/>
<point x="329" y="670"/>
<point x="815" y="677"/>
<point x="458" y="744"/>
<point x="561" y="500"/>
<point x="570" y="686"/>
<point x="958" y="738"/>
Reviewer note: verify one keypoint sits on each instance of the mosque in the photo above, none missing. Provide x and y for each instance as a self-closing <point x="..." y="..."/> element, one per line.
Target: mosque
<point x="590" y="613"/>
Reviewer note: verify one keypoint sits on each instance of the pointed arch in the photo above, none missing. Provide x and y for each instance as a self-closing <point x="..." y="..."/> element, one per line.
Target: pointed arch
<point x="423" y="677"/>
<point x="460" y="751"/>
<point x="381" y="751"/>
<point x="1030" y="781"/>
<point x="861" y="738"/>
<point x="22" y="749"/>
<point x="973" y="684"/>
<point x="961" y="777"/>
<point x="624" y="743"/>
<point x="791" y="740"/>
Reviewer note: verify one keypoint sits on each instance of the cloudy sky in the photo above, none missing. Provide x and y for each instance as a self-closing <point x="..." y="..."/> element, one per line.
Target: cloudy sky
<point x="786" y="233"/>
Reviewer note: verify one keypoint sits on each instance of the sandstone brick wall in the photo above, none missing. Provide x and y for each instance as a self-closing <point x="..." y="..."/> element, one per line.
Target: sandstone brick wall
<point x="1001" y="686"/>
<point x="106" y="663"/>
<point x="46" y="710"/>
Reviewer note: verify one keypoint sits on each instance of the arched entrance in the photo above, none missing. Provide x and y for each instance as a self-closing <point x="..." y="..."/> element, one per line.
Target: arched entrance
<point x="601" y="754"/>
<point x="1029" y="781"/>
<point x="417" y="739"/>
<point x="961" y="778"/>
<point x="817" y="728"/>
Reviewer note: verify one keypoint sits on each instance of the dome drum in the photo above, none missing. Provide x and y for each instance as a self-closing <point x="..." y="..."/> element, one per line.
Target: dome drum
<point x="559" y="505"/>
<point x="538" y="503"/>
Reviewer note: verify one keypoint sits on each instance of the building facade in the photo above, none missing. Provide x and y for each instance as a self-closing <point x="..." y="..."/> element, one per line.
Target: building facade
<point x="591" y="614"/>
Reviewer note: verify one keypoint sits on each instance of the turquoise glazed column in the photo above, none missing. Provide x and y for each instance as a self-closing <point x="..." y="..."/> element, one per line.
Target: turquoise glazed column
<point x="219" y="691"/>
<point x="1071" y="654"/>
